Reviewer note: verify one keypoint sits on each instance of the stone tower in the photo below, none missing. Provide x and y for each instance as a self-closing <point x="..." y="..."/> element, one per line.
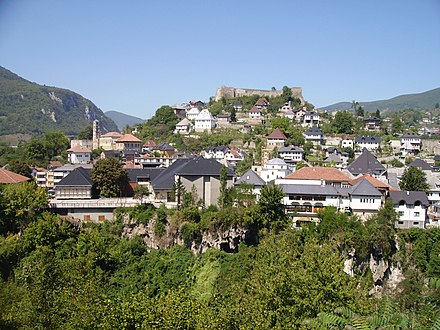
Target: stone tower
<point x="96" y="134"/>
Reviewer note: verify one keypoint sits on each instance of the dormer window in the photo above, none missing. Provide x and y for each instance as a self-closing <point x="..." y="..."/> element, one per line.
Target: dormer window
<point x="402" y="202"/>
<point x="417" y="203"/>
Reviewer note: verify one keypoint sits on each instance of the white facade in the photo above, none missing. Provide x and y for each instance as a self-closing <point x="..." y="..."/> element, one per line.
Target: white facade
<point x="192" y="113"/>
<point x="347" y="143"/>
<point x="204" y="121"/>
<point x="410" y="215"/>
<point x="291" y="154"/>
<point x="79" y="157"/>
<point x="275" y="168"/>
<point x="410" y="144"/>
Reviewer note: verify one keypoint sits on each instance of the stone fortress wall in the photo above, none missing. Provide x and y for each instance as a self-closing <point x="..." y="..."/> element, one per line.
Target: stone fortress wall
<point x="230" y="92"/>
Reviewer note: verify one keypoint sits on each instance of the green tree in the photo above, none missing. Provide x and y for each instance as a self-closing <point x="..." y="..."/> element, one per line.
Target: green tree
<point x="225" y="198"/>
<point x="178" y="191"/>
<point x="20" y="167"/>
<point x="413" y="179"/>
<point x="343" y="122"/>
<point x="21" y="204"/>
<point x="282" y="123"/>
<point x="109" y="177"/>
<point x="270" y="207"/>
<point x="396" y="125"/>
<point x="86" y="133"/>
<point x="56" y="144"/>
<point x="233" y="115"/>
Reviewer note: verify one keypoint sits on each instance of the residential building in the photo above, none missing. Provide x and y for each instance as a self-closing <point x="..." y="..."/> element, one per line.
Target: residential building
<point x="79" y="155"/>
<point x="108" y="140"/>
<point x="275" y="168"/>
<point x="291" y="154"/>
<point x="255" y="113"/>
<point x="76" y="185"/>
<point x="368" y="142"/>
<point x="372" y="123"/>
<point x="411" y="208"/>
<point x="128" y="142"/>
<point x="252" y="179"/>
<point x="262" y="103"/>
<point x="276" y="139"/>
<point x="184" y="127"/>
<point x="366" y="163"/>
<point x="192" y="114"/>
<point x="311" y="118"/>
<point x="410" y="143"/>
<point x="347" y="143"/>
<point x="204" y="122"/>
<point x="314" y="135"/>
<point x="326" y="176"/>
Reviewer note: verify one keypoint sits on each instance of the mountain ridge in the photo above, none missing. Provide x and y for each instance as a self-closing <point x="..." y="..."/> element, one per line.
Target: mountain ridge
<point x="30" y="108"/>
<point x="122" y="119"/>
<point x="419" y="101"/>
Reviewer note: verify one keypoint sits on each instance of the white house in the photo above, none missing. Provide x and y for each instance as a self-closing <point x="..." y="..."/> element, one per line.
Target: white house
<point x="256" y="113"/>
<point x="275" y="168"/>
<point x="204" y="121"/>
<point x="411" y="208"/>
<point x="311" y="118"/>
<point x="79" y="155"/>
<point x="276" y="139"/>
<point x="347" y="143"/>
<point x="410" y="143"/>
<point x="314" y="135"/>
<point x="291" y="154"/>
<point x="368" y="142"/>
<point x="192" y="113"/>
<point x="184" y="127"/>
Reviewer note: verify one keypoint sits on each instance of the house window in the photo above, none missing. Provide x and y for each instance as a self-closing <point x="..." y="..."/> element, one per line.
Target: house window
<point x="416" y="223"/>
<point x="400" y="213"/>
<point x="417" y="214"/>
<point x="400" y="222"/>
<point x="86" y="217"/>
<point x="101" y="217"/>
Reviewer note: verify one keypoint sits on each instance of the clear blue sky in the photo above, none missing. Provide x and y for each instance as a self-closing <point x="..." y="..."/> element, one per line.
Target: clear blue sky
<point x="134" y="56"/>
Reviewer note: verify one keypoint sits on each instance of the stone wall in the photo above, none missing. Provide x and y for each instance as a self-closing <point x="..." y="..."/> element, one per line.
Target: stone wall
<point x="230" y="92"/>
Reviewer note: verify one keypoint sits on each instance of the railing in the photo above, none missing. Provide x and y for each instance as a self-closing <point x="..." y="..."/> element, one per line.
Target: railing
<point x="105" y="203"/>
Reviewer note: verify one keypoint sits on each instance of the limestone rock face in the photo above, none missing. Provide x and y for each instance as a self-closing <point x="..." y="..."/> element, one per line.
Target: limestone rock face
<point x="227" y="240"/>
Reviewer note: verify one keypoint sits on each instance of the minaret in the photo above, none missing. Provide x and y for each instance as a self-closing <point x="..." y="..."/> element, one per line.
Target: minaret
<point x="96" y="134"/>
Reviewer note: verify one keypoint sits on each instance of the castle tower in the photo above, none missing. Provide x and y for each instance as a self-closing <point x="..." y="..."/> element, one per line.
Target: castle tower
<point x="96" y="134"/>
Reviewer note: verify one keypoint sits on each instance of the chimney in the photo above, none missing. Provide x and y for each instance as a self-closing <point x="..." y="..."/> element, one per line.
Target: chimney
<point x="407" y="193"/>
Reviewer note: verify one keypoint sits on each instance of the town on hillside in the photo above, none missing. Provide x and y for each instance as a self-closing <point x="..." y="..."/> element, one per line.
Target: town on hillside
<point x="348" y="159"/>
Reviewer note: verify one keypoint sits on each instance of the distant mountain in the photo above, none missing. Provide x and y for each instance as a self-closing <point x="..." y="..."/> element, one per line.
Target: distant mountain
<point x="425" y="100"/>
<point x="29" y="108"/>
<point x="122" y="120"/>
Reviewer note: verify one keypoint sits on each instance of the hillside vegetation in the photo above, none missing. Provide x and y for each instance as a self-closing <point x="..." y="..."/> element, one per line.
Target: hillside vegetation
<point x="29" y="108"/>
<point x="420" y="101"/>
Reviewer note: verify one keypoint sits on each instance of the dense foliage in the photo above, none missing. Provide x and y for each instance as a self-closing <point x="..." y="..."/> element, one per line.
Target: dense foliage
<point x="27" y="107"/>
<point x="56" y="275"/>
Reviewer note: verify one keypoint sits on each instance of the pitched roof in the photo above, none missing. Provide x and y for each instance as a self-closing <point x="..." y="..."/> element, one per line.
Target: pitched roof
<point x="410" y="197"/>
<point x="367" y="139"/>
<point x="276" y="161"/>
<point x="375" y="182"/>
<point x="421" y="164"/>
<point x="164" y="147"/>
<point x="150" y="173"/>
<point x="410" y="134"/>
<point x="364" y="188"/>
<point x="165" y="180"/>
<point x="204" y="115"/>
<point x="365" y="163"/>
<point x="319" y="173"/>
<point x="372" y="118"/>
<point x="112" y="134"/>
<point x="79" y="149"/>
<point x="200" y="167"/>
<point x="255" y="110"/>
<point x="250" y="177"/>
<point x="149" y="143"/>
<point x="11" y="177"/>
<point x="128" y="138"/>
<point x="333" y="158"/>
<point x="78" y="177"/>
<point x="262" y="101"/>
<point x="290" y="148"/>
<point x="315" y="130"/>
<point x="309" y="189"/>
<point x="277" y="134"/>
<point x="184" y="122"/>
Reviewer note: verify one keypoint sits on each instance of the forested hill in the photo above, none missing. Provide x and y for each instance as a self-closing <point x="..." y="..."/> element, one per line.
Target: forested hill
<point x="27" y="107"/>
<point x="426" y="100"/>
<point x="121" y="119"/>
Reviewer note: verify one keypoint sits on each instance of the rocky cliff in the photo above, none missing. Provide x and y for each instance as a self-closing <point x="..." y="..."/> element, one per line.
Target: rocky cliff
<point x="29" y="108"/>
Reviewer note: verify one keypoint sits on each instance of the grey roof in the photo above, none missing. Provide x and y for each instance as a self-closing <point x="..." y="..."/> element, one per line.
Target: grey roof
<point x="373" y="118"/>
<point x="392" y="180"/>
<point x="367" y="139"/>
<point x="276" y="161"/>
<point x="333" y="158"/>
<point x="410" y="134"/>
<point x="436" y="157"/>
<point x="311" y="113"/>
<point x="410" y="197"/>
<point x="365" y="163"/>
<point x="200" y="167"/>
<point x="165" y="180"/>
<point x="421" y="164"/>
<point x="290" y="148"/>
<point x="135" y="173"/>
<point x="331" y="150"/>
<point x="252" y="178"/>
<point x="219" y="148"/>
<point x="78" y="177"/>
<point x="164" y="147"/>
<point x="364" y="188"/>
<point x="313" y="131"/>
<point x="309" y="189"/>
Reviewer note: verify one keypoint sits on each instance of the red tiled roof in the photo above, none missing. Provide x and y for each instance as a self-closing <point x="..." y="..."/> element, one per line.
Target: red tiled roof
<point x="255" y="110"/>
<point x="112" y="134"/>
<point x="128" y="138"/>
<point x="319" y="173"/>
<point x="277" y="134"/>
<point x="375" y="182"/>
<point x="262" y="101"/>
<point x="79" y="149"/>
<point x="11" y="177"/>
<point x="149" y="143"/>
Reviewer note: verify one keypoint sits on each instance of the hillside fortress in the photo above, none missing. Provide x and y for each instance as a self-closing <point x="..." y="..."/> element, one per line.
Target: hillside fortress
<point x="230" y="92"/>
